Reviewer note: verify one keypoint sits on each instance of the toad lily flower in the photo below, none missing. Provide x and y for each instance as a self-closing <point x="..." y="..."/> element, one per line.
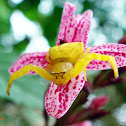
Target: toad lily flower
<point x="66" y="63"/>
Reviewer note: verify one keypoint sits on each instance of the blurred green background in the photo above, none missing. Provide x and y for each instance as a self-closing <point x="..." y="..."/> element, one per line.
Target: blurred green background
<point x="32" y="25"/>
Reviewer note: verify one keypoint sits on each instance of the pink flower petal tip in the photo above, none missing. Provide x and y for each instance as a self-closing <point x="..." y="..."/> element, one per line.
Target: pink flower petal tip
<point x="99" y="102"/>
<point x="85" y="123"/>
<point x="74" y="28"/>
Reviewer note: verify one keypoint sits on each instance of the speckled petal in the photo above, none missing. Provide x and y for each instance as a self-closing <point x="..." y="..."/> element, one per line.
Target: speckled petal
<point x="37" y="58"/>
<point x="59" y="99"/>
<point x="116" y="50"/>
<point x="67" y="26"/>
<point x="74" y="29"/>
<point x="83" y="27"/>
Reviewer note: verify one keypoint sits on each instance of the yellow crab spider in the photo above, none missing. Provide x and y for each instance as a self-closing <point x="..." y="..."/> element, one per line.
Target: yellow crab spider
<point x="66" y="61"/>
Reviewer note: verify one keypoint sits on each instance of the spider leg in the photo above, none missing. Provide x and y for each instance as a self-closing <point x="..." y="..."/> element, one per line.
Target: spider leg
<point x="76" y="71"/>
<point x="48" y="59"/>
<point x="87" y="51"/>
<point x="67" y="77"/>
<point x="81" y="63"/>
<point x="42" y="72"/>
<point x="110" y="59"/>
<point x="85" y="76"/>
<point x="49" y="67"/>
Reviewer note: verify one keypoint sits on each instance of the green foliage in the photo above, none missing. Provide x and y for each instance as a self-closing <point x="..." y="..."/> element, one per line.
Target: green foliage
<point x="51" y="25"/>
<point x="21" y="46"/>
<point x="4" y="17"/>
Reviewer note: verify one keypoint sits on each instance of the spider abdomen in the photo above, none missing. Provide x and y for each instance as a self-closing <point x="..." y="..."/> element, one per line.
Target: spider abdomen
<point x="67" y="52"/>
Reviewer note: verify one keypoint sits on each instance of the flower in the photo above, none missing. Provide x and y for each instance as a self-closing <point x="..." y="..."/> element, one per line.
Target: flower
<point x="58" y="99"/>
<point x="99" y="102"/>
<point x="85" y="123"/>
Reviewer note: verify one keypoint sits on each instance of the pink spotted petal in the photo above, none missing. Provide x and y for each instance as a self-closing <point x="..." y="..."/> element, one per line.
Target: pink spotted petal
<point x="74" y="29"/>
<point x="83" y="27"/>
<point x="67" y="26"/>
<point x="116" y="50"/>
<point x="59" y="99"/>
<point x="37" y="58"/>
